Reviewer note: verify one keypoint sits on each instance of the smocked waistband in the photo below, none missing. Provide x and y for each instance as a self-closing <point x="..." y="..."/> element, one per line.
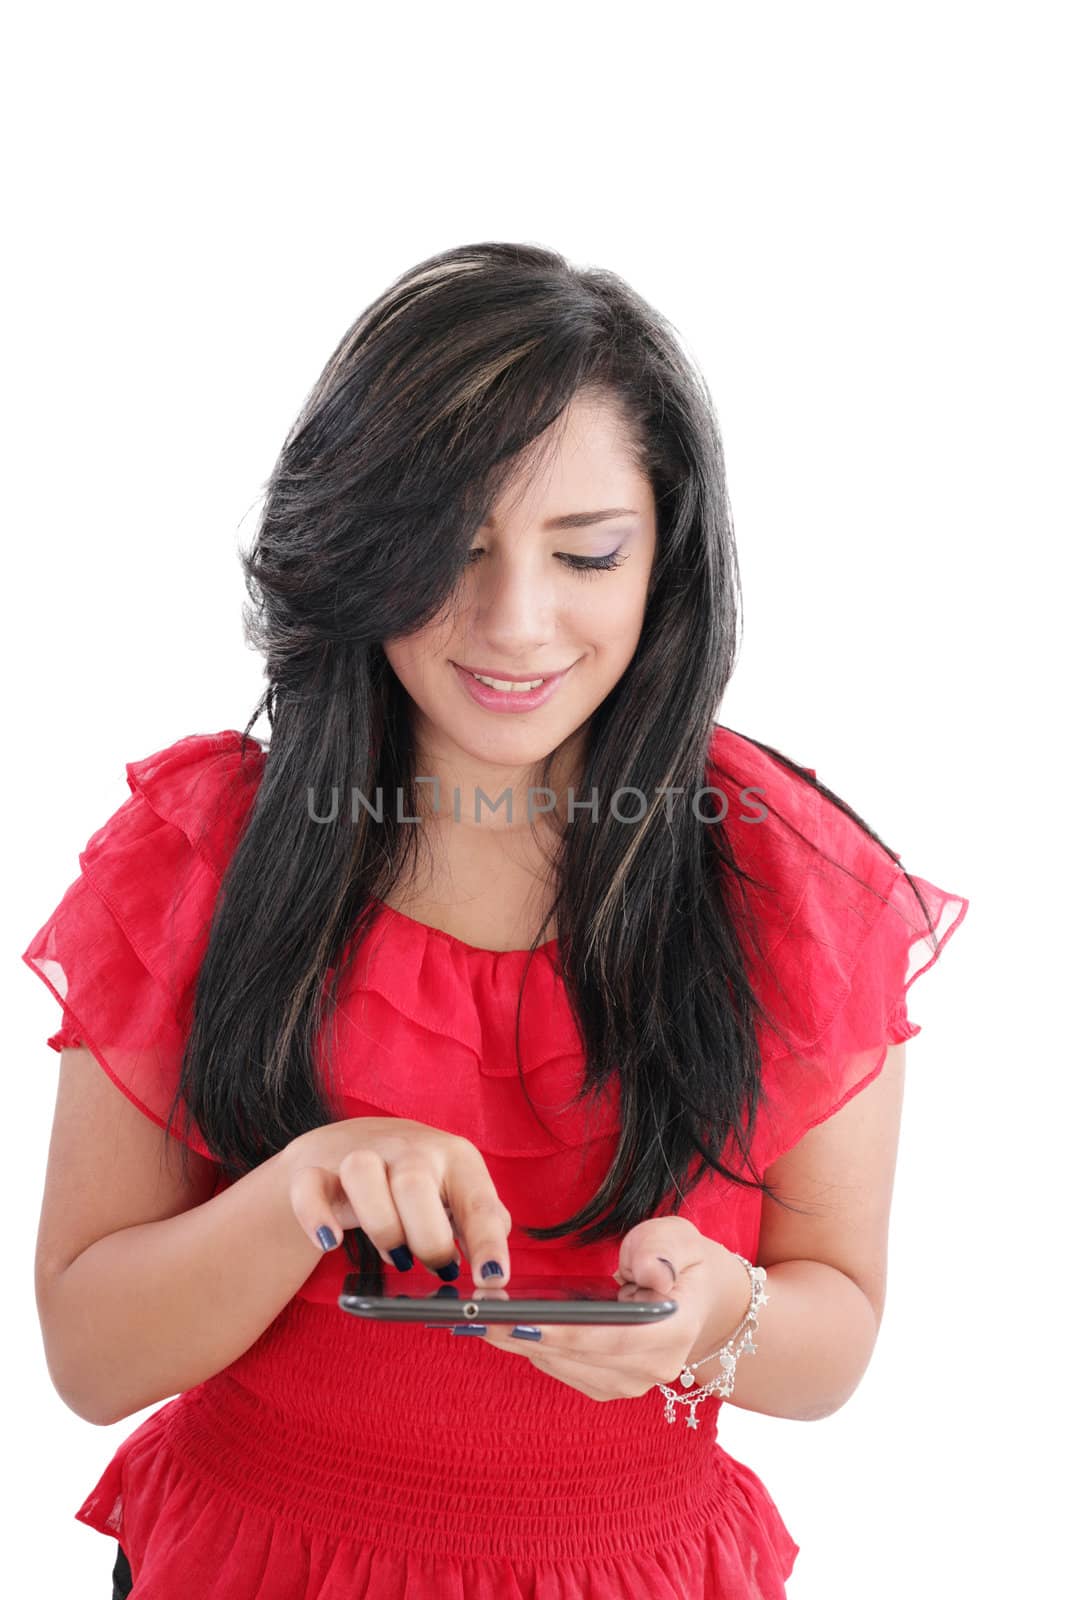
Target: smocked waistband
<point x="410" y="1437"/>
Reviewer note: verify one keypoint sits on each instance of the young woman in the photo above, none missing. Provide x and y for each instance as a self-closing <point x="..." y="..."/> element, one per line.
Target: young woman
<point x="563" y="979"/>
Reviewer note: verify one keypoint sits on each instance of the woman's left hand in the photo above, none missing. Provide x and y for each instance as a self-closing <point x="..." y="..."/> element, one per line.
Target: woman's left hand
<point x="661" y="1258"/>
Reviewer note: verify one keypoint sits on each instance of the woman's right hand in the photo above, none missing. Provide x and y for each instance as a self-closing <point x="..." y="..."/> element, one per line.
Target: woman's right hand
<point x="410" y="1187"/>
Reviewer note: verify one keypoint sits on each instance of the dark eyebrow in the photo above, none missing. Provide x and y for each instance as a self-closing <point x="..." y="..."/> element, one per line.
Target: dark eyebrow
<point x="582" y="519"/>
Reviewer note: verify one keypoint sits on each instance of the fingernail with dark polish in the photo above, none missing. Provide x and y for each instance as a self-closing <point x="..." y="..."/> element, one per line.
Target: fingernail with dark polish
<point x="469" y="1327"/>
<point x="326" y="1237"/>
<point x="401" y="1258"/>
<point x="449" y="1271"/>
<point x="492" y="1269"/>
<point x="522" y="1332"/>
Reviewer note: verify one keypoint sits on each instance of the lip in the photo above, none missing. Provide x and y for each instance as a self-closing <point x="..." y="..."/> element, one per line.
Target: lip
<point x="505" y="700"/>
<point x="511" y="677"/>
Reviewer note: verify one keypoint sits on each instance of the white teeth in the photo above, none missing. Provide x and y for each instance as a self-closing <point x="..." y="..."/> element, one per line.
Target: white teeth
<point x="509" y="688"/>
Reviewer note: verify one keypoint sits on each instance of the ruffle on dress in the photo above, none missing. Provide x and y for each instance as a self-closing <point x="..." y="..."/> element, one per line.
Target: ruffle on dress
<point x="243" y="1484"/>
<point x="340" y="1457"/>
<point x="844" y="932"/>
<point x="122" y="950"/>
<point x="414" y="989"/>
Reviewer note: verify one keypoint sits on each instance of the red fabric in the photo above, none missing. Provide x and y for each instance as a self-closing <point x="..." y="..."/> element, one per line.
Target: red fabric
<point x="339" y="1457"/>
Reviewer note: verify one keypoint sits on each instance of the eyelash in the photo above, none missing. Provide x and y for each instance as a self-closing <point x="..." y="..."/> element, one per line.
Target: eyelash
<point x="584" y="566"/>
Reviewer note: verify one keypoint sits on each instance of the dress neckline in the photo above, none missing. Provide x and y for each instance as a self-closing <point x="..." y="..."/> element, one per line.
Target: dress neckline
<point x="401" y="917"/>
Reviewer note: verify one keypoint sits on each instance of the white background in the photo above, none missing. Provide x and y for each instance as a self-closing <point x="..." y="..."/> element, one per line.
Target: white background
<point x="852" y="216"/>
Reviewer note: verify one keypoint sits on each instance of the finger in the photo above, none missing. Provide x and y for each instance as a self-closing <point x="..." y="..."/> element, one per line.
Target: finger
<point x="320" y="1206"/>
<point x="597" y="1380"/>
<point x="416" y="1194"/>
<point x="591" y="1348"/>
<point x="362" y="1175"/>
<point x="620" y="1365"/>
<point x="584" y="1379"/>
<point x="482" y="1216"/>
<point x="457" y="1232"/>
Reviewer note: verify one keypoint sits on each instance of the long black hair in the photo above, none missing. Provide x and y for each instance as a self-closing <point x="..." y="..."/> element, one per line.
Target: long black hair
<point x="410" y="433"/>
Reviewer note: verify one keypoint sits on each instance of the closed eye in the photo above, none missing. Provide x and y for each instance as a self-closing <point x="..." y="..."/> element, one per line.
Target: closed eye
<point x="579" y="564"/>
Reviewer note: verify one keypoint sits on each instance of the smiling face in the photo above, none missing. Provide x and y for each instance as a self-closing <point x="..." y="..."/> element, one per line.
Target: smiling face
<point x="538" y="598"/>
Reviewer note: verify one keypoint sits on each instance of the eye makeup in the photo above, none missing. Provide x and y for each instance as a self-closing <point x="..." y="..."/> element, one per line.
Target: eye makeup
<point x="579" y="564"/>
<point x="590" y="564"/>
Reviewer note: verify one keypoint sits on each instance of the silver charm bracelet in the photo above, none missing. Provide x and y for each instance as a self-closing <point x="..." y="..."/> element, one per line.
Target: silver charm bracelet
<point x="722" y="1384"/>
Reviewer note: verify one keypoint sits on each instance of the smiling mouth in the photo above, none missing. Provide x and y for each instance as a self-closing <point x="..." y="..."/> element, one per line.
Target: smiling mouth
<point x="512" y="683"/>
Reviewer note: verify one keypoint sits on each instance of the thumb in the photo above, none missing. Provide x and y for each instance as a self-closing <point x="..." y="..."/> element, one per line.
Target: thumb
<point x="657" y="1251"/>
<point x="656" y="1279"/>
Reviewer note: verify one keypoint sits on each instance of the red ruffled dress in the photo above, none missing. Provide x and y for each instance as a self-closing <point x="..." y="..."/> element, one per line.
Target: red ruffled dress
<point x="327" y="1462"/>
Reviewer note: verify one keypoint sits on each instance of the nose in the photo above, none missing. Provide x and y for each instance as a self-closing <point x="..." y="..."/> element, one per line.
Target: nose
<point x="515" y="610"/>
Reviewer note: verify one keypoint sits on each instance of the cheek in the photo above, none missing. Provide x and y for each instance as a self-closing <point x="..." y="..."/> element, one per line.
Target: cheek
<point x="399" y="659"/>
<point x="410" y="657"/>
<point x="613" y="621"/>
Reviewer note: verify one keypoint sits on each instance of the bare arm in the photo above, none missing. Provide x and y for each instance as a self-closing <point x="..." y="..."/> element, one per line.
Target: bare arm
<point x="826" y="1272"/>
<point x="147" y="1310"/>
<point x="149" y="1283"/>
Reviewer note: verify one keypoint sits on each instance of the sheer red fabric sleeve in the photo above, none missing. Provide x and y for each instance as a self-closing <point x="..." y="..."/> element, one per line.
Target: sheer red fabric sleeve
<point x="122" y="949"/>
<point x="844" y="936"/>
<point x="868" y="977"/>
